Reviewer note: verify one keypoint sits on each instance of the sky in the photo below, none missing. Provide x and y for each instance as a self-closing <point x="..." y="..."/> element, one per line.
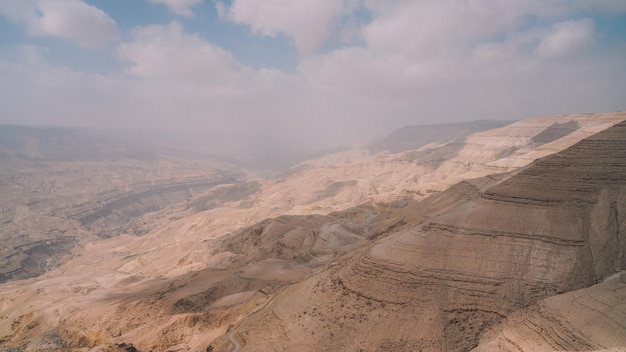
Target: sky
<point x="317" y="72"/>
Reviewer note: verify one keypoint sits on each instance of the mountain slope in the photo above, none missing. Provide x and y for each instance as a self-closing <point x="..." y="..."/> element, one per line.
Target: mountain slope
<point x="556" y="226"/>
<point x="591" y="318"/>
<point x="415" y="137"/>
<point x="332" y="261"/>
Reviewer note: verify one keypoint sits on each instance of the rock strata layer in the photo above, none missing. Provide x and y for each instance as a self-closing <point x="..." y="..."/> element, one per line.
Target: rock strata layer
<point x="556" y="226"/>
<point x="353" y="253"/>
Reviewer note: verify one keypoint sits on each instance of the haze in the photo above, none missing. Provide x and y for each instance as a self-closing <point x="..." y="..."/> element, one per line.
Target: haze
<point x="317" y="73"/>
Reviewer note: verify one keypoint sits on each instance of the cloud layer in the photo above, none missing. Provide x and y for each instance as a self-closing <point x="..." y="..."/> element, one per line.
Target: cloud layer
<point x="179" y="7"/>
<point x="71" y="20"/>
<point x="413" y="62"/>
<point x="307" y="22"/>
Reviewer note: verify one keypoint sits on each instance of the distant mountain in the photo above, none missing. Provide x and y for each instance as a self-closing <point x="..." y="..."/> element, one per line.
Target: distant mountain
<point x="415" y="137"/>
<point x="67" y="144"/>
<point x="89" y="144"/>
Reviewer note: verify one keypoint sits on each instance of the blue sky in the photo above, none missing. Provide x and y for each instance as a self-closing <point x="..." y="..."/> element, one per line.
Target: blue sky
<point x="323" y="72"/>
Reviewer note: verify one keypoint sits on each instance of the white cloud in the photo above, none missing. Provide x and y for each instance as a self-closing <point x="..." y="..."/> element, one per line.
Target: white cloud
<point x="48" y="95"/>
<point x="180" y="80"/>
<point x="32" y="54"/>
<point x="419" y="62"/>
<point x="307" y="22"/>
<point x="362" y="73"/>
<point x="567" y="38"/>
<point x="444" y="60"/>
<point x="168" y="52"/>
<point x="179" y="7"/>
<point x="606" y="6"/>
<point x="71" y="20"/>
<point x="422" y="28"/>
<point x="443" y="28"/>
<point x="18" y="10"/>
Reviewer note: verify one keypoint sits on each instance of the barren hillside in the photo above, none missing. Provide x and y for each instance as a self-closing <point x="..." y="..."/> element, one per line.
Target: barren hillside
<point x="63" y="187"/>
<point x="554" y="227"/>
<point x="350" y="251"/>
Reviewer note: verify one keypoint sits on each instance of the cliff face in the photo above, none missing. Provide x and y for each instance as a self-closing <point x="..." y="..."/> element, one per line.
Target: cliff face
<point x="556" y="226"/>
<point x="583" y="320"/>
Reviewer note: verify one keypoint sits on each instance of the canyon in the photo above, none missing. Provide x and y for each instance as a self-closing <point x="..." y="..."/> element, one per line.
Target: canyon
<point x="485" y="236"/>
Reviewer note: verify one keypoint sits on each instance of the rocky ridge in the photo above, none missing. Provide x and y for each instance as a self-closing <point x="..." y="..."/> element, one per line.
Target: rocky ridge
<point x="441" y="285"/>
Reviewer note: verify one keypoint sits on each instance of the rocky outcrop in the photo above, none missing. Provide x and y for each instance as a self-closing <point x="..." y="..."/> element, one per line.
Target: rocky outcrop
<point x="589" y="319"/>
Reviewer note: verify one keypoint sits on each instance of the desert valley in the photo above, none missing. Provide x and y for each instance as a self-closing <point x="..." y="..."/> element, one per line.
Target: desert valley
<point x="481" y="236"/>
<point x="312" y="175"/>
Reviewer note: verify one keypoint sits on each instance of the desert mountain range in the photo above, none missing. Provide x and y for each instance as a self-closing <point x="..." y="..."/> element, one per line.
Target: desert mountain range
<point x="485" y="236"/>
